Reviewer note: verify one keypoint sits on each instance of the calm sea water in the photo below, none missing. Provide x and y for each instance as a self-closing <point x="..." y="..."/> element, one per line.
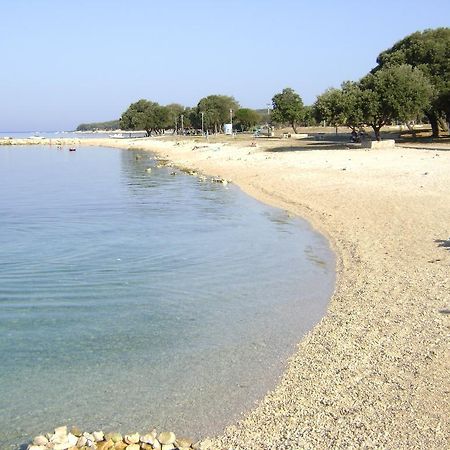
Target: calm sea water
<point x="131" y="299"/>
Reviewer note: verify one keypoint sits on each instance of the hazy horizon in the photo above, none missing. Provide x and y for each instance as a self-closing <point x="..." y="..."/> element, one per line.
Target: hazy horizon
<point x="65" y="64"/>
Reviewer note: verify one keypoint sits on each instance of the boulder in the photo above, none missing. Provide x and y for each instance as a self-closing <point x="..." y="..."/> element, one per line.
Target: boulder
<point x="167" y="437"/>
<point x="98" y="436"/>
<point x="115" y="437"/>
<point x="148" y="439"/>
<point x="183" y="442"/>
<point x="131" y="438"/>
<point x="387" y="143"/>
<point x="167" y="447"/>
<point x="72" y="440"/>
<point x="105" y="445"/>
<point x="120" y="445"/>
<point x="40" y="440"/>
<point x="82" y="441"/>
<point x="76" y="431"/>
<point x="133" y="447"/>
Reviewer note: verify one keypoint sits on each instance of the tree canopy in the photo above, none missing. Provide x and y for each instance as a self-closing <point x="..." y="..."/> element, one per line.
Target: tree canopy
<point x="109" y="125"/>
<point x="341" y="106"/>
<point x="428" y="51"/>
<point x="393" y="93"/>
<point x="145" y="115"/>
<point x="216" y="110"/>
<point x="246" y="118"/>
<point x="288" y="108"/>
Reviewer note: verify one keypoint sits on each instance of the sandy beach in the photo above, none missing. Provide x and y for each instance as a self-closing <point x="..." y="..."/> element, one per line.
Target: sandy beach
<point x="375" y="372"/>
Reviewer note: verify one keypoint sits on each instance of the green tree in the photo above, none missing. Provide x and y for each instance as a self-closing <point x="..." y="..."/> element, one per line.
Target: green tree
<point x="174" y="112"/>
<point x="329" y="107"/>
<point x="109" y="125"/>
<point x="216" y="111"/>
<point x="288" y="108"/>
<point x="246" y="118"/>
<point x="341" y="106"/>
<point x="429" y="51"/>
<point x="393" y="93"/>
<point x="145" y="115"/>
<point x="309" y="118"/>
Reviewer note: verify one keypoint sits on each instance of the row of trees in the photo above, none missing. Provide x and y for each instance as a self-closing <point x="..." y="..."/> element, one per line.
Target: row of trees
<point x="109" y="125"/>
<point x="210" y="114"/>
<point x="411" y="81"/>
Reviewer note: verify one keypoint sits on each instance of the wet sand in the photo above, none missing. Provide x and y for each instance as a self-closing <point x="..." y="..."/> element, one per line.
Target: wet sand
<point x="375" y="372"/>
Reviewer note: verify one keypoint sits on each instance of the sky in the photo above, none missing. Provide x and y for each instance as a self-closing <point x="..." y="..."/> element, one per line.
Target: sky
<point x="67" y="62"/>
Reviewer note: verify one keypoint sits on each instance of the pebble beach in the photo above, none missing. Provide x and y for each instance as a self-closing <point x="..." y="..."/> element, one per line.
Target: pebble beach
<point x="374" y="373"/>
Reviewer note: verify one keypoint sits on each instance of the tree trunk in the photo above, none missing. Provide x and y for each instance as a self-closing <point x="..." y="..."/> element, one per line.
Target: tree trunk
<point x="376" y="129"/>
<point x="294" y="127"/>
<point x="434" y="124"/>
<point x="442" y="124"/>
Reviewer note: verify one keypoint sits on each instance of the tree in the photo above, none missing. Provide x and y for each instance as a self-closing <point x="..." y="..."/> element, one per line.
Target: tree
<point x="393" y="93"/>
<point x="309" y="118"/>
<point x="428" y="51"/>
<point x="174" y="112"/>
<point x="288" y="108"/>
<point x="246" y="118"/>
<point x="329" y="107"/>
<point x="145" y="115"/>
<point x="341" y="106"/>
<point x="110" y="125"/>
<point x="216" y="110"/>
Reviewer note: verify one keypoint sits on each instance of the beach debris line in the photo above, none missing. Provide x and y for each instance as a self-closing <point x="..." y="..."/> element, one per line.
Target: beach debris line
<point x="163" y="162"/>
<point x="75" y="439"/>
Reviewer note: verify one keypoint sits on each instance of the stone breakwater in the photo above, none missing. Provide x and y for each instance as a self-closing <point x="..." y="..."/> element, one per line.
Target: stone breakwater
<point x="75" y="439"/>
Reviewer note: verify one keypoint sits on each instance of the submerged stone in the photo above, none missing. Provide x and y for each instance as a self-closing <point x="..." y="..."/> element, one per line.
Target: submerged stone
<point x="166" y="438"/>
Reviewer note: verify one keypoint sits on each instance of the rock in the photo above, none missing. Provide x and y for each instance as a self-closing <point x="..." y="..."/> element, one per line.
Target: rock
<point x="72" y="440"/>
<point x="157" y="445"/>
<point x="207" y="444"/>
<point x="82" y="441"/>
<point x="183" y="442"/>
<point x="147" y="438"/>
<point x="76" y="431"/>
<point x="61" y="430"/>
<point x="60" y="437"/>
<point x="149" y="169"/>
<point x="89" y="436"/>
<point x="61" y="446"/>
<point x="37" y="447"/>
<point x="167" y="447"/>
<point x="40" y="440"/>
<point x="120" y="445"/>
<point x="166" y="438"/>
<point x="105" y="445"/>
<point x="98" y="436"/>
<point x="115" y="437"/>
<point x="145" y="446"/>
<point x="133" y="447"/>
<point x="131" y="438"/>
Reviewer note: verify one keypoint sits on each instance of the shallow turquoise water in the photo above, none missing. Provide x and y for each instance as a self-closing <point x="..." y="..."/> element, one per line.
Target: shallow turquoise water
<point x="131" y="299"/>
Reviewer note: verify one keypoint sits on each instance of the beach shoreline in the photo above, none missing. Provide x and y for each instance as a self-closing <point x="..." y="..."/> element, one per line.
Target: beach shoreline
<point x="374" y="372"/>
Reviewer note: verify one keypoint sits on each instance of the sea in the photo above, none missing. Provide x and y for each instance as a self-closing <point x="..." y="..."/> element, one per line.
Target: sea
<point x="135" y="296"/>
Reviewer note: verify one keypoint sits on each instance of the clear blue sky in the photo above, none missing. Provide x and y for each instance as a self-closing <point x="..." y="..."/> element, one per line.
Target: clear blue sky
<point x="66" y="62"/>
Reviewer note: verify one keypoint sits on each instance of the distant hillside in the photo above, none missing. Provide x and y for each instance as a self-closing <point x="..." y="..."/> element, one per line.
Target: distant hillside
<point x="111" y="125"/>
